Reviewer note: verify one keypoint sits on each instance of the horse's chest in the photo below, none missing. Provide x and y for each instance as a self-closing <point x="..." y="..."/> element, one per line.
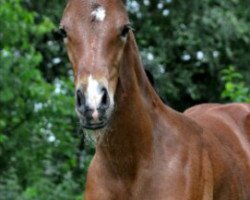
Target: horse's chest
<point x="146" y="188"/>
<point x="116" y="193"/>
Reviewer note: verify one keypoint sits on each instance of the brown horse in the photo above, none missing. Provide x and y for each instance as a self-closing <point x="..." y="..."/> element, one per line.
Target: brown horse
<point x="145" y="150"/>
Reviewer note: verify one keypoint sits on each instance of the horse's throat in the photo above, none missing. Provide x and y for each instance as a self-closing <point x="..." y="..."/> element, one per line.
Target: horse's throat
<point x="128" y="140"/>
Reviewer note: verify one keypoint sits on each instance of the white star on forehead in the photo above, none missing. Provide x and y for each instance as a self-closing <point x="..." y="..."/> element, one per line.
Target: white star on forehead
<point x="99" y="13"/>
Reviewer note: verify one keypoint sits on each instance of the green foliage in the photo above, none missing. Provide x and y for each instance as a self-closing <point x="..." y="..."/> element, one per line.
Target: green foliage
<point x="184" y="43"/>
<point x="42" y="189"/>
<point x="235" y="87"/>
<point x="38" y="147"/>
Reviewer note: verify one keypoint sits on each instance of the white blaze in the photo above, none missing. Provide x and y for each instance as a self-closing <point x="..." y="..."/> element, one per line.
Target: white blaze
<point x="93" y="94"/>
<point x="99" y="13"/>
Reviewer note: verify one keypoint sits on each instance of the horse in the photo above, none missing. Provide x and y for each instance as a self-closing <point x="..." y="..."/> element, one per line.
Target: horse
<point x="146" y="150"/>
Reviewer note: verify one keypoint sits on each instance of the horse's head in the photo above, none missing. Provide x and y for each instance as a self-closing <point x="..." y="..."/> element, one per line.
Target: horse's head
<point x="95" y="34"/>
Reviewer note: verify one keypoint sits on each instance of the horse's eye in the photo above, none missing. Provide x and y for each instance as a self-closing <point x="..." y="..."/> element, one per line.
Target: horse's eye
<point x="125" y="30"/>
<point x="60" y="34"/>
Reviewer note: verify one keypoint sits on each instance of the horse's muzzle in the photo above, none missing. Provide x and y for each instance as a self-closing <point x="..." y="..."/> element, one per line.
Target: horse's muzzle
<point x="93" y="115"/>
<point x="94" y="126"/>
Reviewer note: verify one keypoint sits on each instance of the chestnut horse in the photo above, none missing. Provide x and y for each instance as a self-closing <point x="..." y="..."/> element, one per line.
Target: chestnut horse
<point x="146" y="150"/>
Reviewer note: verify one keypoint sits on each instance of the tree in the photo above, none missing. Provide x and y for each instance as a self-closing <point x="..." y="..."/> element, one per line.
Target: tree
<point x="184" y="44"/>
<point x="235" y="88"/>
<point x="187" y="45"/>
<point x="38" y="141"/>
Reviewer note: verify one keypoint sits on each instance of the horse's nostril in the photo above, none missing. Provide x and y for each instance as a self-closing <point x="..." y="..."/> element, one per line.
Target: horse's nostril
<point x="80" y="99"/>
<point x="105" y="98"/>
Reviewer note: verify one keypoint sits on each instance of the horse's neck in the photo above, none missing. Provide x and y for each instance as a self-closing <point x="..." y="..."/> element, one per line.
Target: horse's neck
<point x="132" y="74"/>
<point x="129" y="139"/>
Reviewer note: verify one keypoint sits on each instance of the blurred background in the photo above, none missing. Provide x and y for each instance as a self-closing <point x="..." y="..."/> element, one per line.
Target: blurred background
<point x="197" y="50"/>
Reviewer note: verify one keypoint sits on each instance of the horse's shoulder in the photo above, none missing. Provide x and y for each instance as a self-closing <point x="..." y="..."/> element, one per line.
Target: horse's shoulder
<point x="233" y="116"/>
